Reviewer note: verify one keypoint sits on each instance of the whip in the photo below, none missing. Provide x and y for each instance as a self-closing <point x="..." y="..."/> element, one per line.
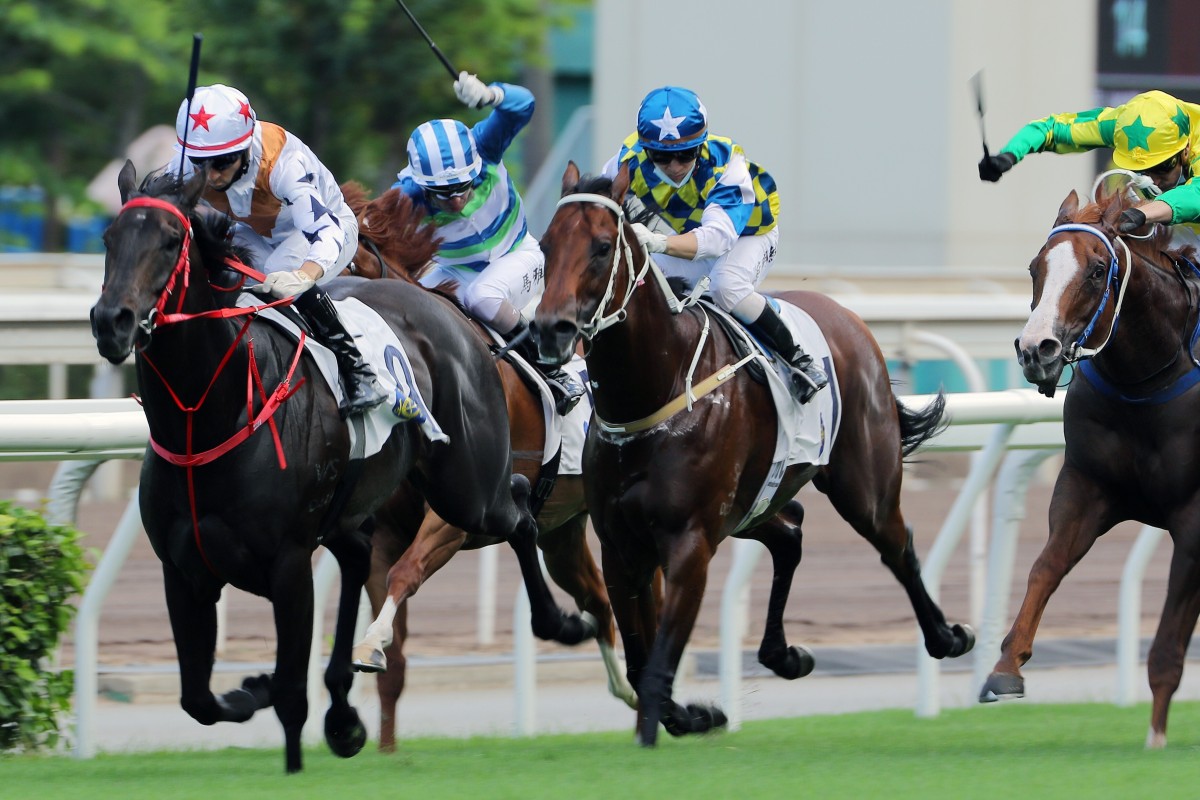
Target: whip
<point x="441" y="56"/>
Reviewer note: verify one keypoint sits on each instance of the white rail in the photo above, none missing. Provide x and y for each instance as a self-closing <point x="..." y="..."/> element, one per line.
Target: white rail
<point x="992" y="423"/>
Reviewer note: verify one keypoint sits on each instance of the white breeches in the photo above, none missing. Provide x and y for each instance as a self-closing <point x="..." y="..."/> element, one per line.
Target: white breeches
<point x="498" y="292"/>
<point x="734" y="276"/>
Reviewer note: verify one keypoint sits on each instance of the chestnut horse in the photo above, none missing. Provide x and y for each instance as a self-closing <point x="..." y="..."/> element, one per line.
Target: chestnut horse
<point x="665" y="493"/>
<point x="250" y="467"/>
<point x="1128" y="305"/>
<point x="412" y="542"/>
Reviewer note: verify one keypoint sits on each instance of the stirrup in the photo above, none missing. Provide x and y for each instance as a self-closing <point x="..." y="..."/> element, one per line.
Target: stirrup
<point x="368" y="395"/>
<point x="566" y="390"/>
<point x="807" y="381"/>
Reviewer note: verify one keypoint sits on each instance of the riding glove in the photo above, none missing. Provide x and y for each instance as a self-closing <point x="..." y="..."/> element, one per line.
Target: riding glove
<point x="1131" y="220"/>
<point x="474" y="93"/>
<point x="992" y="167"/>
<point x="285" y="284"/>
<point x="653" y="242"/>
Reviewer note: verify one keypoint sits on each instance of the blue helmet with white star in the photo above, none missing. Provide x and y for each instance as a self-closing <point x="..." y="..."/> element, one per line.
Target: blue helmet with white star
<point x="671" y="118"/>
<point x="442" y="152"/>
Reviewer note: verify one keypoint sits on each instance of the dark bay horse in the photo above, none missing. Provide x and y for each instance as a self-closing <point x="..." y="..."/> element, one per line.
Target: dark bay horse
<point x="667" y="493"/>
<point x="1128" y="304"/>
<point x="248" y="455"/>
<point x="411" y="542"/>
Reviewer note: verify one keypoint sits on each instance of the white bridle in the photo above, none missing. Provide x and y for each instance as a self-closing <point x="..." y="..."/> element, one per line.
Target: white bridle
<point x="599" y="320"/>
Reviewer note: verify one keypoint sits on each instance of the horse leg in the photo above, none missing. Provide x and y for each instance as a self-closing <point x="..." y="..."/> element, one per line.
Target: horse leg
<point x="436" y="542"/>
<point x="292" y="604"/>
<point x="1079" y="513"/>
<point x="685" y="575"/>
<point x="864" y="487"/>
<point x="390" y="682"/>
<point x="571" y="566"/>
<point x="782" y="537"/>
<point x="635" y="602"/>
<point x="344" y="731"/>
<point x="549" y="621"/>
<point x="193" y="615"/>
<point x="1181" y="608"/>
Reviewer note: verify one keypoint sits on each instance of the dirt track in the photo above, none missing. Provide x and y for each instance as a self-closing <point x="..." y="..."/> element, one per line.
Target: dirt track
<point x="842" y="593"/>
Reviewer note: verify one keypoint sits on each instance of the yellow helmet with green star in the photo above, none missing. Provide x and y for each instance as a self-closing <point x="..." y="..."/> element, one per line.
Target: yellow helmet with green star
<point x="1150" y="128"/>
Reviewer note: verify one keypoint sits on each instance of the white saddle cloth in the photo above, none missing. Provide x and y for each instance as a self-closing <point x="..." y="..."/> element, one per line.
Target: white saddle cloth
<point x="380" y="348"/>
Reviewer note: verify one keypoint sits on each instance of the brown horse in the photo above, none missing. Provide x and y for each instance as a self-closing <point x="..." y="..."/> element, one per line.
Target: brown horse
<point x="1127" y="304"/>
<point x="411" y="542"/>
<point x="667" y="482"/>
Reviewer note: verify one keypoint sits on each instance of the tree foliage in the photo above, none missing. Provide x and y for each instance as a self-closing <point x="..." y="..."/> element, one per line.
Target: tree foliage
<point x="80" y="79"/>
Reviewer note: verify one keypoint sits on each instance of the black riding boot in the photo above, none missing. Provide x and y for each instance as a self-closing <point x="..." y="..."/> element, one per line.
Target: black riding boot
<point x="566" y="390"/>
<point x="807" y="377"/>
<point x="358" y="380"/>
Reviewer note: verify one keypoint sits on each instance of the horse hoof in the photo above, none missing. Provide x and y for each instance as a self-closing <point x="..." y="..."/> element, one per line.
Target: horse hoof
<point x="797" y="662"/>
<point x="259" y="686"/>
<point x="571" y="629"/>
<point x="964" y="640"/>
<point x="368" y="659"/>
<point x="1002" y="686"/>
<point x="344" y="733"/>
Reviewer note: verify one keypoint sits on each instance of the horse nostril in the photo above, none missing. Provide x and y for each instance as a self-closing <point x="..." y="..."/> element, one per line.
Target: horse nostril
<point x="1049" y="349"/>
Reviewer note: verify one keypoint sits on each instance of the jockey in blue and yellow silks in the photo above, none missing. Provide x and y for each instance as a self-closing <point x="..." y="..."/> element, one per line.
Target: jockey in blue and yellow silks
<point x="458" y="176"/>
<point x="722" y="209"/>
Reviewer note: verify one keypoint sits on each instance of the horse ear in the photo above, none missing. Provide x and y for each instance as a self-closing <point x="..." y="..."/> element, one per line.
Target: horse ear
<point x="1113" y="206"/>
<point x="621" y="184"/>
<point x="1068" y="208"/>
<point x="193" y="188"/>
<point x="570" y="178"/>
<point x="126" y="180"/>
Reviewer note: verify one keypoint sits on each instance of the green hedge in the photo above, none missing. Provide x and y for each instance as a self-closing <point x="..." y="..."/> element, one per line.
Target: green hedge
<point x="42" y="567"/>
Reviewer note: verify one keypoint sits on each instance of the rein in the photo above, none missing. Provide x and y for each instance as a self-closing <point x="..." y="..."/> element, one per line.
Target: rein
<point x="270" y="403"/>
<point x="599" y="321"/>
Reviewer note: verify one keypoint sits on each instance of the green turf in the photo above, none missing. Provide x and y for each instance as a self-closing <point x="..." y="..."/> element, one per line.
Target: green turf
<point x="1006" y="751"/>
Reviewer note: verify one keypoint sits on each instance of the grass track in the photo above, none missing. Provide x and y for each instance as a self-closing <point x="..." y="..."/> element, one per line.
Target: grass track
<point x="1008" y="751"/>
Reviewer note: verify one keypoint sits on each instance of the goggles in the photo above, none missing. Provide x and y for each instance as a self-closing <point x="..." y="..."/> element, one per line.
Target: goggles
<point x="449" y="192"/>
<point x="219" y="163"/>
<point x="667" y="156"/>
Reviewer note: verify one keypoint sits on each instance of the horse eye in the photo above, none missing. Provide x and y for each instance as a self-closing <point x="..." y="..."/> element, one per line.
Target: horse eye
<point x="603" y="248"/>
<point x="1098" y="273"/>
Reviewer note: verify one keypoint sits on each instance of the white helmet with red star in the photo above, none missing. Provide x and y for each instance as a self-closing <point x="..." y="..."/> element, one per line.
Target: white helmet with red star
<point x="220" y="121"/>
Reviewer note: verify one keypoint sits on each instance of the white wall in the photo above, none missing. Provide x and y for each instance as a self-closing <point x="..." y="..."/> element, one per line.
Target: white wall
<point x="862" y="111"/>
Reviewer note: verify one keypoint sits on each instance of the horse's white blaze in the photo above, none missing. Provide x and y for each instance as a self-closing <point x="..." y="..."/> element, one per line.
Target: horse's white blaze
<point x="379" y="632"/>
<point x="1062" y="267"/>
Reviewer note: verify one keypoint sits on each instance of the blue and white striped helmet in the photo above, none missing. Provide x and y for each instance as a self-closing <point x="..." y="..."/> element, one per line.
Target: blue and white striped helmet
<point x="671" y="118"/>
<point x="442" y="152"/>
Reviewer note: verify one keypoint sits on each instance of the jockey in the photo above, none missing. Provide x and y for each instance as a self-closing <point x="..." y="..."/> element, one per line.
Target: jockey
<point x="458" y="177"/>
<point x="288" y="213"/>
<point x="723" y="211"/>
<point x="1153" y="134"/>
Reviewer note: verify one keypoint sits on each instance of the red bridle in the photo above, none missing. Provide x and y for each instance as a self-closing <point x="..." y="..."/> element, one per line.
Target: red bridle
<point x="270" y="403"/>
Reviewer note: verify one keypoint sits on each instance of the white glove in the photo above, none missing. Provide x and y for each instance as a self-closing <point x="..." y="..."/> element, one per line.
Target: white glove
<point x="653" y="242"/>
<point x="474" y="93"/>
<point x="285" y="284"/>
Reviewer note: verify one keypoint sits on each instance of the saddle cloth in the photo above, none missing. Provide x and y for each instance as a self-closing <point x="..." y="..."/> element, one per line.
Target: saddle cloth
<point x="380" y="348"/>
<point x="569" y="431"/>
<point x="805" y="433"/>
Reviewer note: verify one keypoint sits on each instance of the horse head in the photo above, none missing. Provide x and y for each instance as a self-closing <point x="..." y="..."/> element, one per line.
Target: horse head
<point x="1076" y="287"/>
<point x="394" y="240"/>
<point x="146" y="254"/>
<point x="588" y="263"/>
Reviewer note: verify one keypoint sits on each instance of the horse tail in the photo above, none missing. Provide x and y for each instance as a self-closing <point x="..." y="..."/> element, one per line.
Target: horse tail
<point x="919" y="426"/>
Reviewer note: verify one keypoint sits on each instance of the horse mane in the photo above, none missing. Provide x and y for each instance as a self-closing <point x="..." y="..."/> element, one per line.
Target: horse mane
<point x="210" y="228"/>
<point x="1152" y="248"/>
<point x="396" y="225"/>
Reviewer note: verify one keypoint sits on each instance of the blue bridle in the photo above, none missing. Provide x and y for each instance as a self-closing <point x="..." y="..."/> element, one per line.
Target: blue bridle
<point x="1077" y="351"/>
